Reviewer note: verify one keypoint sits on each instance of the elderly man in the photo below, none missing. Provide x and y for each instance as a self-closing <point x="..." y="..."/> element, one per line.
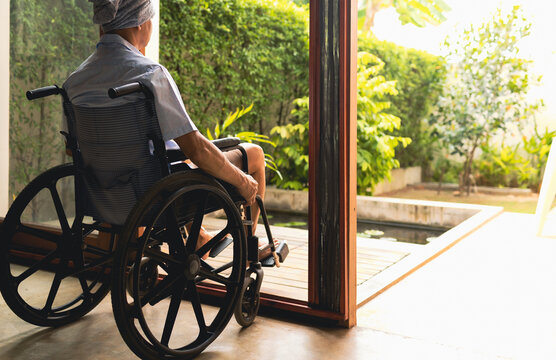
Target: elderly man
<point x="119" y="59"/>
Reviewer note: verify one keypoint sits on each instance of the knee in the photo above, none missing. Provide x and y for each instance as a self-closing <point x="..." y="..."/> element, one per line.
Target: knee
<point x="255" y="155"/>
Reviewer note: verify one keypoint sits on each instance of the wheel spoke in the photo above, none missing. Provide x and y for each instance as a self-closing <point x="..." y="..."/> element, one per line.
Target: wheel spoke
<point x="59" y="208"/>
<point x="172" y="313"/>
<point x="173" y="236"/>
<point x="196" y="303"/>
<point x="36" y="267"/>
<point x="45" y="235"/>
<point x="161" y="290"/>
<point x="154" y="238"/>
<point x="79" y="265"/>
<point x="195" y="229"/>
<point x="160" y="256"/>
<point x="205" y="274"/>
<point x="52" y="293"/>
<point x="87" y="228"/>
<point x="85" y="287"/>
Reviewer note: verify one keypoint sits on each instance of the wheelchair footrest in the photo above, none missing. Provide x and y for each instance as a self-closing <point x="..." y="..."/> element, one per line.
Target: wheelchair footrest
<point x="282" y="251"/>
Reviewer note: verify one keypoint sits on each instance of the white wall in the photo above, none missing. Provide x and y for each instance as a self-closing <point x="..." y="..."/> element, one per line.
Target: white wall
<point x="152" y="49"/>
<point x="4" y="104"/>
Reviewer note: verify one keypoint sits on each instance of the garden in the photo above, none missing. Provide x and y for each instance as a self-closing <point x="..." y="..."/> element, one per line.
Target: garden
<point x="457" y="117"/>
<point x="464" y="118"/>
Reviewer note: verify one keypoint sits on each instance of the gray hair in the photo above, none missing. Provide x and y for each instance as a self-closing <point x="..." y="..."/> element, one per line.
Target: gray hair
<point x="121" y="14"/>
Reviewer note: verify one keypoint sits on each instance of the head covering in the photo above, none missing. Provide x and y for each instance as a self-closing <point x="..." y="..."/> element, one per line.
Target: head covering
<point x="121" y="14"/>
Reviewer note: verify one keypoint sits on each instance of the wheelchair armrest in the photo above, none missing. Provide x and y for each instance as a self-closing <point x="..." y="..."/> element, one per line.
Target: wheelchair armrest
<point x="226" y="143"/>
<point x="175" y="155"/>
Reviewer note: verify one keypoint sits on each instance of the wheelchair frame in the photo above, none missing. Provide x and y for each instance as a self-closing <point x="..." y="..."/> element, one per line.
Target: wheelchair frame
<point x="129" y="264"/>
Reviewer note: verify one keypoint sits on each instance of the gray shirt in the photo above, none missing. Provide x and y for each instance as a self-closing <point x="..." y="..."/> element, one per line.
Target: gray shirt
<point x="116" y="62"/>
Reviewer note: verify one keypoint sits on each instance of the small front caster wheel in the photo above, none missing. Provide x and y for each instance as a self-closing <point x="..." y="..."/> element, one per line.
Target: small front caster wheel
<point x="247" y="308"/>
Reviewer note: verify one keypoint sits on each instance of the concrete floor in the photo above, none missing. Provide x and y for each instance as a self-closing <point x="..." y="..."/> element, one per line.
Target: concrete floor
<point x="492" y="296"/>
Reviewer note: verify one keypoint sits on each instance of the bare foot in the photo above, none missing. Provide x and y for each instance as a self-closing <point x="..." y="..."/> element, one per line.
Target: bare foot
<point x="264" y="241"/>
<point x="204" y="238"/>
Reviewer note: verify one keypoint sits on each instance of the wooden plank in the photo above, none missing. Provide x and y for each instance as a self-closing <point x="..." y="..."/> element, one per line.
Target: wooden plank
<point x="291" y="279"/>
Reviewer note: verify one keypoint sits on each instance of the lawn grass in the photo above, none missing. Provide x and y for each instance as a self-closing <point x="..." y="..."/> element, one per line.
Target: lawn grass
<point x="520" y="204"/>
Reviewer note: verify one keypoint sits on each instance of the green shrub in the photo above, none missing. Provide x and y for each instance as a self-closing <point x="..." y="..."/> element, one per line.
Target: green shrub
<point x="419" y="79"/>
<point x="537" y="148"/>
<point x="376" y="146"/>
<point x="521" y="165"/>
<point x="227" y="53"/>
<point x="291" y="154"/>
<point x="502" y="166"/>
<point x="445" y="169"/>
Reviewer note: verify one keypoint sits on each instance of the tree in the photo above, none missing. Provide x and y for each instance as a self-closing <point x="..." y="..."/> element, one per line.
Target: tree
<point x="416" y="12"/>
<point x="48" y="40"/>
<point x="486" y="87"/>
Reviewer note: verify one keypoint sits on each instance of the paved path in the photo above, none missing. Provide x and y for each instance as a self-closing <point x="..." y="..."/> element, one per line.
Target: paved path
<point x="493" y="295"/>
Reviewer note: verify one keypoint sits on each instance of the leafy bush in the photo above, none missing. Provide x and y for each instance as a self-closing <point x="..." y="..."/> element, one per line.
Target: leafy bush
<point x="221" y="131"/>
<point x="445" y="169"/>
<point x="537" y="148"/>
<point x="375" y="144"/>
<point x="292" y="149"/>
<point x="225" y="53"/>
<point x="419" y="79"/>
<point x="520" y="165"/>
<point x="502" y="166"/>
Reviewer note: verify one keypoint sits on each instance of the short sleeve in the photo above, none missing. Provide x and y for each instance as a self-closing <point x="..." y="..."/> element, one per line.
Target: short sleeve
<point x="172" y="116"/>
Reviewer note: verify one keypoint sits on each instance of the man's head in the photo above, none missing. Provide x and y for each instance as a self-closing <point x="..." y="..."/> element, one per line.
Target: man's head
<point x="121" y="14"/>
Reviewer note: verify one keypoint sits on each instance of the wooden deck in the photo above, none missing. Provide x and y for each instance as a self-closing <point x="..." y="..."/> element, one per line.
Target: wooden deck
<point x="291" y="279"/>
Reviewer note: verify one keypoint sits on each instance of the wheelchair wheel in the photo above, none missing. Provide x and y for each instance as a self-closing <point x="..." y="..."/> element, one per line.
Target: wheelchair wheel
<point x="169" y="321"/>
<point x="50" y="279"/>
<point x="247" y="308"/>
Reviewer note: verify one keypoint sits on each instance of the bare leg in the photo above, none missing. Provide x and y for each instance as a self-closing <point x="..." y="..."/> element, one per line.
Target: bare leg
<point x="256" y="168"/>
<point x="256" y="164"/>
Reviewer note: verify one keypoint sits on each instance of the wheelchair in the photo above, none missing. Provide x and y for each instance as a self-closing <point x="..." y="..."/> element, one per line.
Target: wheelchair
<point x="131" y="227"/>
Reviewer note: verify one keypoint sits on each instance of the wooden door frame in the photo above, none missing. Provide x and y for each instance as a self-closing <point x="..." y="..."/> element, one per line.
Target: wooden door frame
<point x="333" y="157"/>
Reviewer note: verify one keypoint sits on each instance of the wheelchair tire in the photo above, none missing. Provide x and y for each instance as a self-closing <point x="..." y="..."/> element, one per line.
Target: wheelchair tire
<point x="247" y="308"/>
<point x="170" y="321"/>
<point x="32" y="257"/>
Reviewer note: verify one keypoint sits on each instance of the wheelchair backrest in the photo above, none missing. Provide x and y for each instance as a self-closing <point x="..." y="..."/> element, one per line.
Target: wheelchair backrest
<point x="117" y="158"/>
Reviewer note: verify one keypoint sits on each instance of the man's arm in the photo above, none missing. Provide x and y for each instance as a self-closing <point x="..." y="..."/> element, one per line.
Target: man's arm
<point x="209" y="158"/>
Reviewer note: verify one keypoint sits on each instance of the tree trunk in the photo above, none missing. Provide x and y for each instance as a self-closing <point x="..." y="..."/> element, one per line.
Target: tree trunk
<point x="465" y="183"/>
<point x="373" y="6"/>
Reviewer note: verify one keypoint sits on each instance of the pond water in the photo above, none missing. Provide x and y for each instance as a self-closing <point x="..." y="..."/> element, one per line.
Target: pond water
<point x="370" y="229"/>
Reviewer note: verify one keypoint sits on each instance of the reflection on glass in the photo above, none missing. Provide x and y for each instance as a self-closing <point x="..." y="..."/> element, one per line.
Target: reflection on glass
<point x="48" y="40"/>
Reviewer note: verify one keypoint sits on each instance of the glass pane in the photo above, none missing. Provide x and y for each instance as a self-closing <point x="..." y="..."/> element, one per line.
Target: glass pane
<point x="48" y="40"/>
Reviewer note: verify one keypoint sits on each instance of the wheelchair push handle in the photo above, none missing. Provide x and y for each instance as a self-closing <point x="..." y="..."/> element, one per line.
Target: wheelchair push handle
<point x="43" y="92"/>
<point x="126" y="89"/>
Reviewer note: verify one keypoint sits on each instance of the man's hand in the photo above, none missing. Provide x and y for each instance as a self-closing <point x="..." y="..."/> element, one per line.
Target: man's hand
<point x="249" y="190"/>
